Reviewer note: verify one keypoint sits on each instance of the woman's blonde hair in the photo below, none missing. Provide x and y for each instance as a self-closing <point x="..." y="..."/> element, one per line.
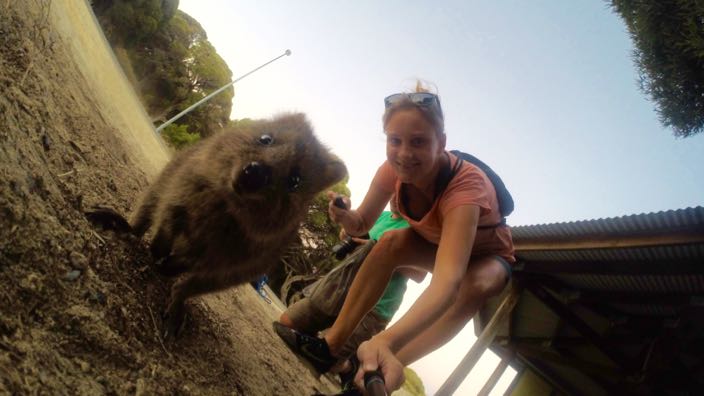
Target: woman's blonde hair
<point x="434" y="118"/>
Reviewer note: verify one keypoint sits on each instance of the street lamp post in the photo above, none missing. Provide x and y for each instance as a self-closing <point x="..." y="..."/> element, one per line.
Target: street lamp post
<point x="224" y="87"/>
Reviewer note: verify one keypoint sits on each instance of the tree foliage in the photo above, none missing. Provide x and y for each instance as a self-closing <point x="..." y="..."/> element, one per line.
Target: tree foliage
<point x="310" y="257"/>
<point x="413" y="384"/>
<point x="669" y="54"/>
<point x="131" y="21"/>
<point x="177" y="136"/>
<point x="174" y="63"/>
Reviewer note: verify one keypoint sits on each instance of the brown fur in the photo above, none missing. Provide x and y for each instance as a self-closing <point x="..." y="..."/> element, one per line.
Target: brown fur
<point x="215" y="233"/>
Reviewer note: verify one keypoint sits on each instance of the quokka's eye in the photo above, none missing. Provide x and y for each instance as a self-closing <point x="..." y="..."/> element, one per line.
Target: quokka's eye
<point x="266" y="140"/>
<point x="294" y="181"/>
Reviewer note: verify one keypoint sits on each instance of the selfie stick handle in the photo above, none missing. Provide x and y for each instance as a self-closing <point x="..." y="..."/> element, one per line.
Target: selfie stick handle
<point x="339" y="202"/>
<point x="374" y="383"/>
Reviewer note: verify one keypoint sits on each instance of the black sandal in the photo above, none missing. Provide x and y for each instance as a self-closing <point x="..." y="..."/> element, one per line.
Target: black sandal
<point x="314" y="349"/>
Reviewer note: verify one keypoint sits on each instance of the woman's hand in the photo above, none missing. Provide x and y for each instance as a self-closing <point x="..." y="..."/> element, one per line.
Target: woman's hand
<point x="337" y="214"/>
<point x="361" y="241"/>
<point x="376" y="354"/>
<point x="359" y="221"/>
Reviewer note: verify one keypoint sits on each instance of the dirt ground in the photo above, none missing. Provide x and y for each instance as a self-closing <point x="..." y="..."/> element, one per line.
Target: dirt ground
<point x="80" y="306"/>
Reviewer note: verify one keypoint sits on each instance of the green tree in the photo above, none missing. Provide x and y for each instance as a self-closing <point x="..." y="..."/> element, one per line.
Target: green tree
<point x="174" y="64"/>
<point x="413" y="385"/>
<point x="177" y="135"/>
<point x="669" y="54"/>
<point x="130" y="21"/>
<point x="310" y="257"/>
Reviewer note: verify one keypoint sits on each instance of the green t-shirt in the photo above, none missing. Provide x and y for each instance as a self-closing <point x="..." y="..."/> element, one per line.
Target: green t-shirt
<point x="386" y="223"/>
<point x="393" y="295"/>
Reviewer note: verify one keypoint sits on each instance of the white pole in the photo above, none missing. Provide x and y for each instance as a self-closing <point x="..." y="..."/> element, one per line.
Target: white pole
<point x="494" y="378"/>
<point x="481" y="344"/>
<point x="224" y="87"/>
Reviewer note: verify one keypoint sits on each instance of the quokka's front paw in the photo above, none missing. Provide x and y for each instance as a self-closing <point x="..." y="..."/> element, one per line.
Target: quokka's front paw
<point x="169" y="266"/>
<point x="174" y="320"/>
<point x="108" y="218"/>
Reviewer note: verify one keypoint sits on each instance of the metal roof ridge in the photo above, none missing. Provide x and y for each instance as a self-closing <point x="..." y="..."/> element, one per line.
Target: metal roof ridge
<point x="671" y="227"/>
<point x="662" y="213"/>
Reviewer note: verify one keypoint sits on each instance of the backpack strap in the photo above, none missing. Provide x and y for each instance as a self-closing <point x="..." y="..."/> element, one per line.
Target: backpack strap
<point x="504" y="197"/>
<point x="493" y="177"/>
<point x="446" y="176"/>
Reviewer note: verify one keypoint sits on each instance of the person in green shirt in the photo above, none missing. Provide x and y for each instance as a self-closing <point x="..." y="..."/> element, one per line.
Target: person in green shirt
<point x="319" y="309"/>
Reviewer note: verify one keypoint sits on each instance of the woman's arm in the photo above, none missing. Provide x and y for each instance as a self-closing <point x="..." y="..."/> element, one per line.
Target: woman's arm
<point x="458" y="232"/>
<point x="411" y="273"/>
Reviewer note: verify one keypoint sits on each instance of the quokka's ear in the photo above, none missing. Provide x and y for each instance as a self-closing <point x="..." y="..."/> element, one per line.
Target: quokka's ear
<point x="332" y="170"/>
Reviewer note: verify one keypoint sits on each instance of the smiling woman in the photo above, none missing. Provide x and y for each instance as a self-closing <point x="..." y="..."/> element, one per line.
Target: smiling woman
<point x="455" y="233"/>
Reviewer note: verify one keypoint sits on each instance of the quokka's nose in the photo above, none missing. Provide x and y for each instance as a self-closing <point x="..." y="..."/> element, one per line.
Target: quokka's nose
<point x="255" y="176"/>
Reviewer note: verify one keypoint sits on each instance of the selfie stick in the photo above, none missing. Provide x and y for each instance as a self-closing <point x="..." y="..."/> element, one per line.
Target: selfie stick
<point x="224" y="87"/>
<point x="374" y="383"/>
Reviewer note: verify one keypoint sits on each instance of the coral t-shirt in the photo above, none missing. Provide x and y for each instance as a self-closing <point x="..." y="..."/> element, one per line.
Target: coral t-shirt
<point x="469" y="186"/>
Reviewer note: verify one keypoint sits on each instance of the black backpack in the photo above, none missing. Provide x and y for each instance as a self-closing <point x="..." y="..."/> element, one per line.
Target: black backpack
<point x="504" y="197"/>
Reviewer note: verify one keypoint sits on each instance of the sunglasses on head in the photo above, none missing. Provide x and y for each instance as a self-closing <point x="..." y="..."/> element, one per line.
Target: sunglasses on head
<point x="422" y="99"/>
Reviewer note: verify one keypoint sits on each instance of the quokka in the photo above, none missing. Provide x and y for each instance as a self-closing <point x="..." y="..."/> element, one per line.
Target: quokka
<point x="223" y="211"/>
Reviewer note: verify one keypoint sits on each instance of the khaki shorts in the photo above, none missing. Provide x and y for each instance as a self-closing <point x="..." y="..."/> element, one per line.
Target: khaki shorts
<point x="320" y="308"/>
<point x="311" y="320"/>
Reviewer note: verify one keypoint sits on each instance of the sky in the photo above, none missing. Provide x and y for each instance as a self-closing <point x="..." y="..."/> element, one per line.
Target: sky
<point x="544" y="91"/>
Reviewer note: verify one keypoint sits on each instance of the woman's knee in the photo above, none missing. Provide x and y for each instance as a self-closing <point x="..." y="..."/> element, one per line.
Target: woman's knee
<point x="391" y="246"/>
<point x="484" y="278"/>
<point x="285" y="320"/>
<point x="406" y="248"/>
<point x="393" y="239"/>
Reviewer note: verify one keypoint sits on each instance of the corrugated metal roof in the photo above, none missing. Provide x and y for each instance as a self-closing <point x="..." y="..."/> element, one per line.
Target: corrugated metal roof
<point x="646" y="268"/>
<point x="650" y="253"/>
<point x="625" y="225"/>
<point x="636" y="283"/>
<point x="650" y="310"/>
